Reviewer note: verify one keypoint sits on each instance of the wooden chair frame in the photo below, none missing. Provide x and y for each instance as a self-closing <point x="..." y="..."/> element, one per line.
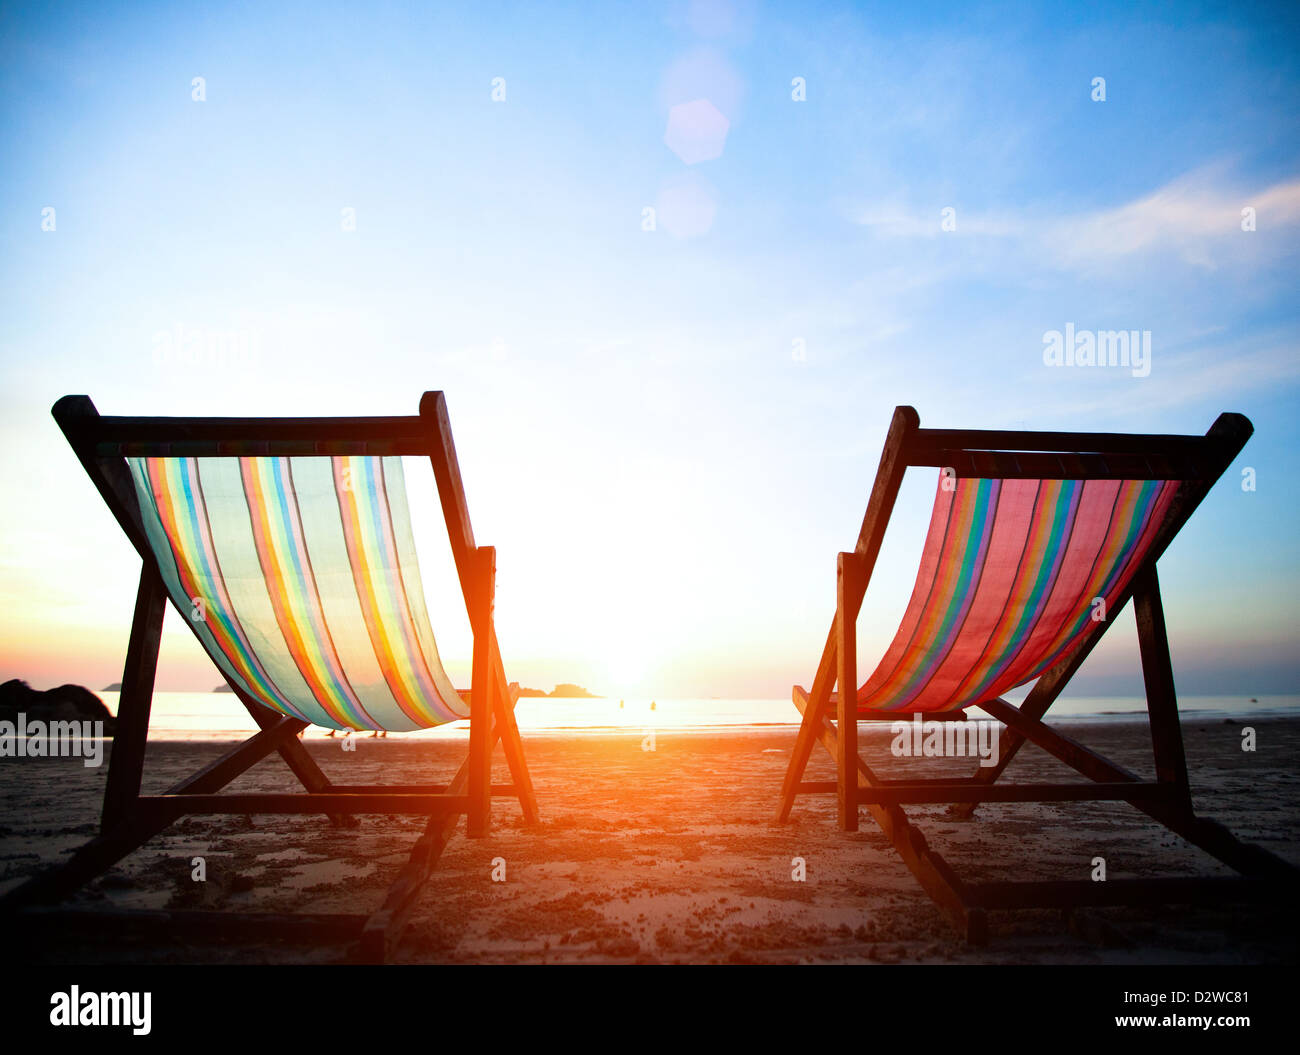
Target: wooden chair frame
<point x="130" y="818"/>
<point x="831" y="718"/>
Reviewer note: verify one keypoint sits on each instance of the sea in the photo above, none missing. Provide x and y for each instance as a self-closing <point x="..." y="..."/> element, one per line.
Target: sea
<point x="219" y="715"/>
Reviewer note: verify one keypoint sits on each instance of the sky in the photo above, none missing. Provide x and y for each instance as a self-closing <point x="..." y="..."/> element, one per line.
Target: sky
<point x="674" y="265"/>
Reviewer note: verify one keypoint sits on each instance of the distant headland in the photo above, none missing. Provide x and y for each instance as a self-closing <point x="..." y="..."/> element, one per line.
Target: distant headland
<point x="565" y="690"/>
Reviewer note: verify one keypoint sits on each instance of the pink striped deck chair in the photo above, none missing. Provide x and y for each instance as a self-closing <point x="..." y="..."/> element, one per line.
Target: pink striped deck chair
<point x="287" y="548"/>
<point x="1036" y="543"/>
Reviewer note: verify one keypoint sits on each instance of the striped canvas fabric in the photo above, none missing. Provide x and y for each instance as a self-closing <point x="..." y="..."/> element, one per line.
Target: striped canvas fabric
<point x="1007" y="584"/>
<point x="300" y="576"/>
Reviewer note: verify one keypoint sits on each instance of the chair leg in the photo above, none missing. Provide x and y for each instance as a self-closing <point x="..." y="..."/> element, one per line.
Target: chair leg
<point x="480" y="701"/>
<point x="126" y="763"/>
<point x="1158" y="676"/>
<point x="513" y="748"/>
<point x="846" y="725"/>
<point x="803" y="747"/>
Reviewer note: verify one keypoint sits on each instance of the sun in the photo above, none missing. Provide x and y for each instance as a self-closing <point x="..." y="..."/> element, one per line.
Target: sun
<point x="625" y="673"/>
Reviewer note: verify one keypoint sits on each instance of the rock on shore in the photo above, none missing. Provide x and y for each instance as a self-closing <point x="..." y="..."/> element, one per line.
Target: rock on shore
<point x="66" y="703"/>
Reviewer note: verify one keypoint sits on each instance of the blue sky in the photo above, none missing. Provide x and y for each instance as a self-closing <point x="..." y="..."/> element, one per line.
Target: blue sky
<point x="666" y="480"/>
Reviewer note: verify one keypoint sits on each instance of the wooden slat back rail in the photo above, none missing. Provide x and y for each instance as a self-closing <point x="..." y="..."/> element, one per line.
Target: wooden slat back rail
<point x="1077" y="455"/>
<point x="1061" y="442"/>
<point x="1021" y="465"/>
<point x="106" y="437"/>
<point x="103" y="441"/>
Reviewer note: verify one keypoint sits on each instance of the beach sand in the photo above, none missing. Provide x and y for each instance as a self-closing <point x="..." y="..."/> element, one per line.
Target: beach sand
<point x="672" y="856"/>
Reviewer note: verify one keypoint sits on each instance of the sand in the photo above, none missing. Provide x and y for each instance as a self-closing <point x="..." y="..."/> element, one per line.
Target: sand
<point x="671" y="856"/>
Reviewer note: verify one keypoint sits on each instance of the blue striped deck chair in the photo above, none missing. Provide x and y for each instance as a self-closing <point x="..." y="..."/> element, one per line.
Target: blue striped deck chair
<point x="286" y="545"/>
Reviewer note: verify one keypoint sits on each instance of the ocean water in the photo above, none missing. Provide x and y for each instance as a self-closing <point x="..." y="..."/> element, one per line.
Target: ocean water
<point x="216" y="715"/>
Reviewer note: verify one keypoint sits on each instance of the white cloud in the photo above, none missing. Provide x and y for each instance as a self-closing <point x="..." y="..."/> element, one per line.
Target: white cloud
<point x="1196" y="219"/>
<point x="895" y="220"/>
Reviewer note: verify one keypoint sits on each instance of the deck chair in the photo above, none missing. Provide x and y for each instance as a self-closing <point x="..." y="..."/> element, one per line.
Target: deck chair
<point x="1032" y="535"/>
<point x="286" y="546"/>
